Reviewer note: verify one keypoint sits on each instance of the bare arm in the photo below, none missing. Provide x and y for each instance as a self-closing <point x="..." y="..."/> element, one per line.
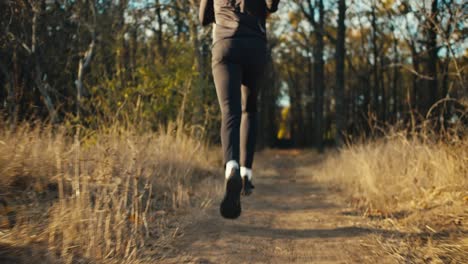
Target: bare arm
<point x="206" y="12"/>
<point x="272" y="5"/>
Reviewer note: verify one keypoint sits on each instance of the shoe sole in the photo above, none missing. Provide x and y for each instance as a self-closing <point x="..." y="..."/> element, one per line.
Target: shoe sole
<point x="231" y="206"/>
<point x="246" y="191"/>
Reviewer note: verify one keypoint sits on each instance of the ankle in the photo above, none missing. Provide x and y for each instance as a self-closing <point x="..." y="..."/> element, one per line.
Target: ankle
<point x="246" y="172"/>
<point x="232" y="164"/>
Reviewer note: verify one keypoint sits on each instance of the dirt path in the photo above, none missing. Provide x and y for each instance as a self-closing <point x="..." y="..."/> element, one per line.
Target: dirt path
<point x="289" y="219"/>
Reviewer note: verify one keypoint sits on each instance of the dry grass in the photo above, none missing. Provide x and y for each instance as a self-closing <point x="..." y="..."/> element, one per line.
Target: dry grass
<point x="95" y="199"/>
<point x="415" y="186"/>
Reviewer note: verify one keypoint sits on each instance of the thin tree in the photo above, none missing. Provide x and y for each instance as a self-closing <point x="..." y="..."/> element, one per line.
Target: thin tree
<point x="319" y="33"/>
<point x="433" y="59"/>
<point x="340" y="73"/>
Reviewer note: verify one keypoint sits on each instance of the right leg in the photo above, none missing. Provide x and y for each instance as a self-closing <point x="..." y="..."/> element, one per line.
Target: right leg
<point x="248" y="134"/>
<point x="251" y="78"/>
<point x="248" y="130"/>
<point x="253" y="69"/>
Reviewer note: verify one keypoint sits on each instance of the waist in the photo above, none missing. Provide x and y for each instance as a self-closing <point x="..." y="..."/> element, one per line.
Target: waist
<point x="220" y="32"/>
<point x="228" y="18"/>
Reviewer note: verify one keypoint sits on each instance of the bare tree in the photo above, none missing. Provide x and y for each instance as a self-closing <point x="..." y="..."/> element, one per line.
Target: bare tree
<point x="85" y="60"/>
<point x="340" y="73"/>
<point x="431" y="96"/>
<point x="309" y="10"/>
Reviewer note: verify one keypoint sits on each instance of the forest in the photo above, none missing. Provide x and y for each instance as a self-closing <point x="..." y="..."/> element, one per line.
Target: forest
<point x="343" y="68"/>
<point x="110" y="148"/>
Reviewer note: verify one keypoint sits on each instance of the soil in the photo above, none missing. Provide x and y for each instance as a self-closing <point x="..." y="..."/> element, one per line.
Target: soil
<point x="288" y="219"/>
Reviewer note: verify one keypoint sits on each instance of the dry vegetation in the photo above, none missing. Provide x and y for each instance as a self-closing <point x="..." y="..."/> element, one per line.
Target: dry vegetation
<point x="106" y="197"/>
<point x="97" y="199"/>
<point x="413" y="185"/>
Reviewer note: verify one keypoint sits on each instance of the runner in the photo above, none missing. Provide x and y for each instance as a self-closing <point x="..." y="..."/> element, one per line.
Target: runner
<point x="238" y="61"/>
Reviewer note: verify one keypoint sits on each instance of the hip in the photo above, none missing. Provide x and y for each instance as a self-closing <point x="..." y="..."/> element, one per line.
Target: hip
<point x="241" y="50"/>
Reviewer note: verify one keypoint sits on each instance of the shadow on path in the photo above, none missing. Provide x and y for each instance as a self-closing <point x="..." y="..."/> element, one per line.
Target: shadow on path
<point x="341" y="232"/>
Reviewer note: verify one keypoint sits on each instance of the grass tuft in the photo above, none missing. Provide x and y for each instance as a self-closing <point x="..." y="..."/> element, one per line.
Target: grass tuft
<point x="416" y="186"/>
<point x="93" y="198"/>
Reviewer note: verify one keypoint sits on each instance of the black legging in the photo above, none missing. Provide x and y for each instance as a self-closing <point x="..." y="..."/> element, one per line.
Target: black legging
<point x="238" y="65"/>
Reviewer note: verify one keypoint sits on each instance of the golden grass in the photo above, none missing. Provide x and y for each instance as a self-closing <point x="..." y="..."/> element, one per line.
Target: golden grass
<point x="95" y="198"/>
<point x="415" y="186"/>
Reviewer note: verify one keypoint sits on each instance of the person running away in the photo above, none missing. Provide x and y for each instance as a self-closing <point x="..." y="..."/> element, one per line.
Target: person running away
<point x="239" y="57"/>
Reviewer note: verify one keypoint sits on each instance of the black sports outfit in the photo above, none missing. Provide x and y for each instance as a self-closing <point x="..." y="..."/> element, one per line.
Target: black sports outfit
<point x="238" y="61"/>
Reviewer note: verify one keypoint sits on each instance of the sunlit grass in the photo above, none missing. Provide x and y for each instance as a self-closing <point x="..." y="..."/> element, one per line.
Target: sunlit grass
<point x="415" y="185"/>
<point x="94" y="198"/>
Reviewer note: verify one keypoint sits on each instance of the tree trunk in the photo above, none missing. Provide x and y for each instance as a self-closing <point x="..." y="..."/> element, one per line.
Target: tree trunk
<point x="41" y="84"/>
<point x="159" y="33"/>
<point x="310" y="116"/>
<point x="319" y="78"/>
<point x="383" y="93"/>
<point x="375" y="71"/>
<point x="197" y="89"/>
<point x="85" y="62"/>
<point x="395" y="79"/>
<point x="414" y="94"/>
<point x="340" y="76"/>
<point x="433" y="60"/>
<point x="8" y="98"/>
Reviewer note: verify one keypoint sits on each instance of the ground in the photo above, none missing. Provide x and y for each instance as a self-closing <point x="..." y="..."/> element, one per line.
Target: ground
<point x="288" y="219"/>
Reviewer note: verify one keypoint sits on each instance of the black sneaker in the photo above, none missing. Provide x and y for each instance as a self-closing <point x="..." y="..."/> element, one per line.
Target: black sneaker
<point x="230" y="206"/>
<point x="247" y="186"/>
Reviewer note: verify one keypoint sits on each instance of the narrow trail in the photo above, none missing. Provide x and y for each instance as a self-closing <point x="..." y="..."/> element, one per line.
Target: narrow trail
<point x="289" y="219"/>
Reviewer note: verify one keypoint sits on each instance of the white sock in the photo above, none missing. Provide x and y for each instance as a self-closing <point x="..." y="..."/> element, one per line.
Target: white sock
<point x="246" y="172"/>
<point x="229" y="166"/>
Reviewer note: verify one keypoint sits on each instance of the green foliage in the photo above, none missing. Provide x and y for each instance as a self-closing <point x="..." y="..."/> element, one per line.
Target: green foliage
<point x="139" y="73"/>
<point x="153" y="94"/>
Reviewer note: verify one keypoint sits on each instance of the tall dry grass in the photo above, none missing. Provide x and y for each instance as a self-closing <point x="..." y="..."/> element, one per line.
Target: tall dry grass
<point x="94" y="198"/>
<point x="400" y="173"/>
<point x="416" y="186"/>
